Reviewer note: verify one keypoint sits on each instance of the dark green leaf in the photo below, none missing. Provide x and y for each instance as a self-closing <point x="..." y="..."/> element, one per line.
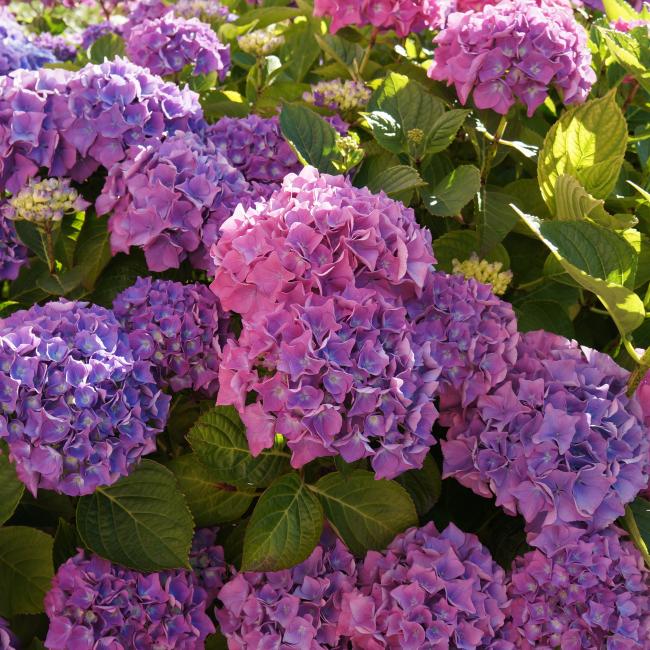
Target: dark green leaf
<point x="93" y="249"/>
<point x="460" y="244"/>
<point x="395" y="180"/>
<point x="444" y="130"/>
<point x="449" y="196"/>
<point x="107" y="47"/>
<point x="66" y="543"/>
<point x="11" y="488"/>
<point x="496" y="220"/>
<point x="544" y="315"/>
<point x="386" y="130"/>
<point x="423" y="485"/>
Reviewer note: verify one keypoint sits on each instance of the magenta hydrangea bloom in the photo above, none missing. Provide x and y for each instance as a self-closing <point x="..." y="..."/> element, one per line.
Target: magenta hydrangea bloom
<point x="166" y="45"/>
<point x="402" y="16"/>
<point x="256" y="147"/>
<point x="295" y="608"/>
<point x="590" y="593"/>
<point x="515" y="50"/>
<point x="8" y="640"/>
<point x="96" y="604"/>
<point x="558" y="441"/>
<point x="642" y="396"/>
<point x="77" y="410"/>
<point x="72" y="123"/>
<point x="428" y="590"/>
<point x="13" y="255"/>
<point x="180" y="328"/>
<point x="469" y="334"/>
<point x="170" y="198"/>
<point x="324" y="275"/>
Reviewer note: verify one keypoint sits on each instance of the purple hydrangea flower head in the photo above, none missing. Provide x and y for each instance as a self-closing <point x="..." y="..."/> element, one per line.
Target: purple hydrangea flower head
<point x="427" y="590"/>
<point x="295" y="608"/>
<point x="256" y="147"/>
<point x="71" y="123"/>
<point x="78" y="411"/>
<point x="62" y="48"/>
<point x="514" y="50"/>
<point x="94" y="32"/>
<point x="558" y="441"/>
<point x="208" y="562"/>
<point x="323" y="275"/>
<point x="469" y="334"/>
<point x="166" y="45"/>
<point x="170" y="198"/>
<point x="180" y="328"/>
<point x="8" y="641"/>
<point x="13" y="255"/>
<point x="16" y="49"/>
<point x="402" y="16"/>
<point x="590" y="593"/>
<point x="96" y="604"/>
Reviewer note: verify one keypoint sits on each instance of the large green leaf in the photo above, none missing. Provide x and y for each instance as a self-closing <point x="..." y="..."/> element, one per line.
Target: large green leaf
<point x="284" y="528"/>
<point x="106" y="47"/>
<point x="496" y="220"/>
<point x="423" y="485"/>
<point x="631" y="50"/>
<point x="11" y="488"/>
<point x="310" y="135"/>
<point x="395" y="180"/>
<point x="211" y="501"/>
<point x="641" y="510"/>
<point x="66" y="542"/>
<point x="93" y="249"/>
<point x="142" y="521"/>
<point x="449" y="196"/>
<point x="546" y="315"/>
<point x="587" y="142"/>
<point x="365" y="512"/>
<point x="444" y="130"/>
<point x="219" y="440"/>
<point x="460" y="244"/>
<point x="25" y="570"/>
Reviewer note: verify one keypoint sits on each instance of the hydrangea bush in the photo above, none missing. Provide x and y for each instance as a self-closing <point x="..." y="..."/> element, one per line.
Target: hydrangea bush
<point x="324" y="324"/>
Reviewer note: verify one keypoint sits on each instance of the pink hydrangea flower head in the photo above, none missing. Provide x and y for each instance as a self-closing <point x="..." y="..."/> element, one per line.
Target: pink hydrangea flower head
<point x="170" y="198"/>
<point x="179" y="328"/>
<point x="295" y="608"/>
<point x="590" y="593"/>
<point x="168" y="44"/>
<point x="78" y="411"/>
<point x="427" y="590"/>
<point x="558" y="441"/>
<point x="326" y="278"/>
<point x="514" y="50"/>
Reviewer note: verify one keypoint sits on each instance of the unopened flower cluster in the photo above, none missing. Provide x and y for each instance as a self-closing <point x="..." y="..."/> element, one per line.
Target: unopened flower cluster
<point x="45" y="201"/>
<point x="297" y="608"/>
<point x="261" y="42"/>
<point x="515" y="50"/>
<point x="591" y="593"/>
<point x="427" y="590"/>
<point x="323" y="276"/>
<point x="558" y="441"/>
<point x="180" y="328"/>
<point x="485" y="272"/>
<point x="339" y="95"/>
<point x="13" y="255"/>
<point x="402" y="16"/>
<point x="168" y="44"/>
<point x="76" y="409"/>
<point x="170" y="198"/>
<point x="71" y="123"/>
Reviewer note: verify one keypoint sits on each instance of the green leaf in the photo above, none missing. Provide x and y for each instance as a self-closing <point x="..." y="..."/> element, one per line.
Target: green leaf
<point x="142" y="521"/>
<point x="219" y="440"/>
<point x="460" y="244"/>
<point x="66" y="243"/>
<point x="66" y="542"/>
<point x="641" y="244"/>
<point x="640" y="508"/>
<point x="310" y="135"/>
<point x="574" y="203"/>
<point x="447" y="198"/>
<point x="346" y="53"/>
<point x="423" y="485"/>
<point x="220" y="103"/>
<point x="11" y="488"/>
<point x="396" y="180"/>
<point x="496" y="220"/>
<point x="386" y="130"/>
<point x="25" y="570"/>
<point x="365" y="512"/>
<point x="93" y="249"/>
<point x="107" y="47"/>
<point x="61" y="283"/>
<point x="284" y="528"/>
<point x="121" y="272"/>
<point x="265" y="16"/>
<point x="615" y="9"/>
<point x="444" y="130"/>
<point x="587" y="142"/>
<point x="211" y="501"/>
<point x="34" y="238"/>
<point x="546" y="315"/>
<point x="631" y="51"/>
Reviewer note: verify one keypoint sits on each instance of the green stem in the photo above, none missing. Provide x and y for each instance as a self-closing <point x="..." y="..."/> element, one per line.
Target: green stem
<point x="635" y="534"/>
<point x="530" y="285"/>
<point x="49" y="247"/>
<point x="491" y="153"/>
<point x="366" y="54"/>
<point x="643" y="365"/>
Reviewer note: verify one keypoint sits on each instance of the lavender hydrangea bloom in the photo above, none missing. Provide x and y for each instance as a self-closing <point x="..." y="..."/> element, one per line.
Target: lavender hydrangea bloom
<point x="60" y="47"/>
<point x="323" y="275"/>
<point x="179" y="328"/>
<point x="7" y="639"/>
<point x="96" y="604"/>
<point x="94" y="32"/>
<point x="77" y="410"/>
<point x="208" y="562"/>
<point x="296" y="608"/>
<point x="13" y="255"/>
<point x="514" y="50"/>
<point x="166" y="45"/>
<point x="591" y="593"/>
<point x="469" y="334"/>
<point x="427" y="590"/>
<point x="71" y="123"/>
<point x="256" y="147"/>
<point x="170" y="198"/>
<point x="16" y="50"/>
<point x="558" y="441"/>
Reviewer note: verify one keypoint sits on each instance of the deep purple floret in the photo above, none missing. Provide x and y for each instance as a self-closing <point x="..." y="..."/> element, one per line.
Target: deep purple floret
<point x="170" y="198"/>
<point x="63" y="49"/>
<point x="296" y="608"/>
<point x="8" y="640"/>
<point x="77" y="410"/>
<point x="94" y="32"/>
<point x="558" y="441"/>
<point x="327" y="279"/>
<point x="180" y="328"/>
<point x="13" y="255"/>
<point x="427" y="591"/>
